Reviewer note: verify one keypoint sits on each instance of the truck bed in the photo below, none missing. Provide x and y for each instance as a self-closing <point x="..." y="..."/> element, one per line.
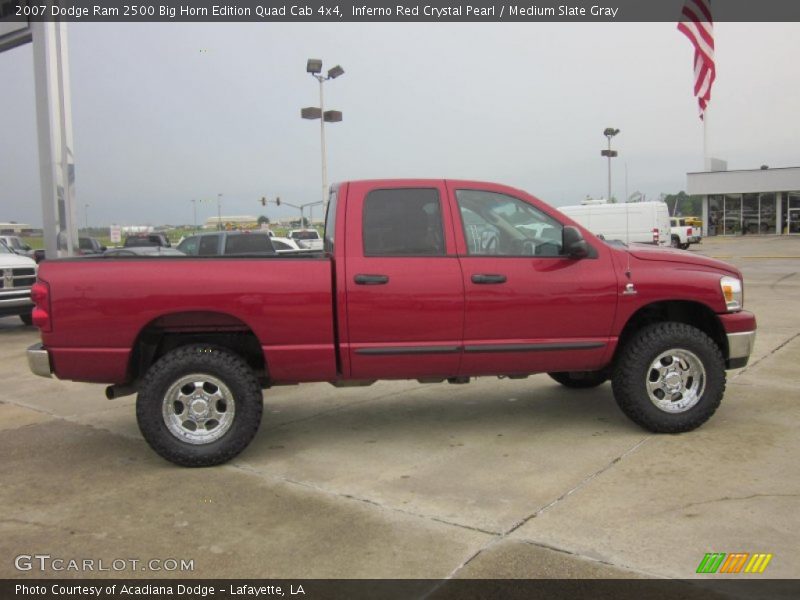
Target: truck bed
<point x="285" y="301"/>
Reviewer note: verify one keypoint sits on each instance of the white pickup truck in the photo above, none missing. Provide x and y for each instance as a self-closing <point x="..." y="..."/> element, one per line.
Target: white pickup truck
<point x="17" y="275"/>
<point x="682" y="234"/>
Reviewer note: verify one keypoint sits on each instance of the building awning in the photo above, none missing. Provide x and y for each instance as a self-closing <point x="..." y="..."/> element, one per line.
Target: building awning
<point x="743" y="182"/>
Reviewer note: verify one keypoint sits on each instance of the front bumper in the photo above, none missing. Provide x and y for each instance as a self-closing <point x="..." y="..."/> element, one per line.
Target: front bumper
<point x="740" y="346"/>
<point x="15" y="302"/>
<point x="39" y="361"/>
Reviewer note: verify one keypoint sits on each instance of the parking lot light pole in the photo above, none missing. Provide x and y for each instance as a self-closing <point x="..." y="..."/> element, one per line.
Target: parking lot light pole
<point x="609" y="132"/>
<point x="314" y="68"/>
<point x="194" y="213"/>
<point x="219" y="212"/>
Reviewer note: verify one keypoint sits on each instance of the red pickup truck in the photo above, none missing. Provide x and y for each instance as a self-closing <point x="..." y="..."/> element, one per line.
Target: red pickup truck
<point x="419" y="279"/>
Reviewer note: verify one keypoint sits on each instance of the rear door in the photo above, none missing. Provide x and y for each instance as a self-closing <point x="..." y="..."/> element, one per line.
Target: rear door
<point x="528" y="307"/>
<point x="404" y="290"/>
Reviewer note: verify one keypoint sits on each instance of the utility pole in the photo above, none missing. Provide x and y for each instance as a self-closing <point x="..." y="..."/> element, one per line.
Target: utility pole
<point x="609" y="132"/>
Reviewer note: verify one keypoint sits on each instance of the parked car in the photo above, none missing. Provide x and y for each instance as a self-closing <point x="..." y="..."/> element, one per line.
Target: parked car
<point x="17" y="245"/>
<point x="17" y="275"/>
<point x="147" y="239"/>
<point x="682" y="234"/>
<point x="402" y="292"/>
<point x="643" y="222"/>
<point x="86" y="247"/>
<point x="306" y="238"/>
<point x="227" y="243"/>
<point x="90" y="245"/>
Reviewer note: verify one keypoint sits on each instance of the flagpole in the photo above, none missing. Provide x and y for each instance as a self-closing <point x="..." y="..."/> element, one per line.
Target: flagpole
<point x="706" y="154"/>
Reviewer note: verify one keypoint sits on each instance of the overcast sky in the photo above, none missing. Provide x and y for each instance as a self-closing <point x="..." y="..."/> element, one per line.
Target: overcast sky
<point x="167" y="112"/>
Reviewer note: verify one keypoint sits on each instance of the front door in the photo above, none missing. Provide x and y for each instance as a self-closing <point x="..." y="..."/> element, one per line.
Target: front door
<point x="794" y="220"/>
<point x="404" y="293"/>
<point x="528" y="307"/>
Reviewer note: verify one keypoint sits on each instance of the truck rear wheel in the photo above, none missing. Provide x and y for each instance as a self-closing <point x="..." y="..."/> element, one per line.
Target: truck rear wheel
<point x="199" y="406"/>
<point x="669" y="378"/>
<point x="27" y="318"/>
<point x="580" y="379"/>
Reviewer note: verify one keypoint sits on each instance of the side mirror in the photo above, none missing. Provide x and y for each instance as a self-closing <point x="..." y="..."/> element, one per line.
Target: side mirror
<point x="103" y="248"/>
<point x="573" y="243"/>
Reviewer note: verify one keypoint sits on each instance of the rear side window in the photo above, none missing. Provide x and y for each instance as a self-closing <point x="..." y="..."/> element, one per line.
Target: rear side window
<point x="208" y="245"/>
<point x="305" y="235"/>
<point x="248" y="244"/>
<point x="330" y="221"/>
<point x="403" y="222"/>
<point x="139" y="241"/>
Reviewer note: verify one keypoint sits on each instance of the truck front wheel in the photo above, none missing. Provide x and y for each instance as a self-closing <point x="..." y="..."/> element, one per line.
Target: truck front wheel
<point x="199" y="406"/>
<point x="669" y="378"/>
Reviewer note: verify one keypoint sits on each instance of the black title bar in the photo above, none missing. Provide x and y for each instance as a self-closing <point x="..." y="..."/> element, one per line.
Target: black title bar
<point x="384" y="11"/>
<point x="707" y="588"/>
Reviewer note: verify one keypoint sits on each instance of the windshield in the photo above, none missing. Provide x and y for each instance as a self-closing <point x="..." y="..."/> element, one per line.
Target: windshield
<point x="4" y="249"/>
<point x="15" y="243"/>
<point x="305" y="235"/>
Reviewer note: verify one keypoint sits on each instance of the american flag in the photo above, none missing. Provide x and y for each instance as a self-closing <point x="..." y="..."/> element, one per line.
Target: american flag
<point x="698" y="26"/>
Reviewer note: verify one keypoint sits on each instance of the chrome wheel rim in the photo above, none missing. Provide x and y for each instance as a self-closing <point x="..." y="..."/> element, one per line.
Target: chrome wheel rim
<point x="198" y="408"/>
<point x="676" y="380"/>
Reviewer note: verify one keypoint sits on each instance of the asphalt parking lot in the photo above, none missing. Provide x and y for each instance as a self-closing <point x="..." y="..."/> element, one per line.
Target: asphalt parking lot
<point x="401" y="480"/>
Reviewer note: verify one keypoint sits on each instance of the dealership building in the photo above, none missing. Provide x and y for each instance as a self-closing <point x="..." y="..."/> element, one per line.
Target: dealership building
<point x="755" y="201"/>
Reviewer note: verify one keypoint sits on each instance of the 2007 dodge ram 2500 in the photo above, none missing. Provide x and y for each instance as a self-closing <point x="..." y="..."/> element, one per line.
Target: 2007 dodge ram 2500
<point x="418" y="279"/>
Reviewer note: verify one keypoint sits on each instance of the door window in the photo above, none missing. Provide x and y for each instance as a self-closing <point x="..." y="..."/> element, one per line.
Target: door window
<point x="190" y="245"/>
<point x="403" y="222"/>
<point x="499" y="225"/>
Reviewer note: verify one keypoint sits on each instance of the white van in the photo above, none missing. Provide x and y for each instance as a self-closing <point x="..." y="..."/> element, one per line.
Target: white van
<point x="643" y="222"/>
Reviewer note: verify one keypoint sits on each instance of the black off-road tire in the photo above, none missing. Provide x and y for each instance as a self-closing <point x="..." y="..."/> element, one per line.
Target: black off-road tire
<point x="580" y="380"/>
<point x="27" y="318"/>
<point x="675" y="241"/>
<point x="629" y="379"/>
<point x="684" y="246"/>
<point x="219" y="363"/>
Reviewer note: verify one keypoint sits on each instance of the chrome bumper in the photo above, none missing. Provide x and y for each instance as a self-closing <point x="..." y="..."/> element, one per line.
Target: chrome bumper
<point x="39" y="361"/>
<point x="740" y="346"/>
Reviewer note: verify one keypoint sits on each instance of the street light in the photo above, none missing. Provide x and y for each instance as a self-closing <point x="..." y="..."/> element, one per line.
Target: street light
<point x="609" y="133"/>
<point x="194" y="213"/>
<point x="86" y="216"/>
<point x="314" y="68"/>
<point x="219" y="212"/>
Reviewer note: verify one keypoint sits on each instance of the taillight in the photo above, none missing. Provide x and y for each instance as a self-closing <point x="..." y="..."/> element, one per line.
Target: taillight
<point x="655" y="235"/>
<point x="689" y="231"/>
<point x="40" y="294"/>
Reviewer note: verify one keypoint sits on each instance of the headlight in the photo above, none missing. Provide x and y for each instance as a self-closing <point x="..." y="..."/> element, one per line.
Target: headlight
<point x="732" y="292"/>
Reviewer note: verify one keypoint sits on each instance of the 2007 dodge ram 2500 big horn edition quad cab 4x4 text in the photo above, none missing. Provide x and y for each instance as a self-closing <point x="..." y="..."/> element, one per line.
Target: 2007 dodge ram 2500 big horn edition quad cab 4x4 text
<point x="418" y="279"/>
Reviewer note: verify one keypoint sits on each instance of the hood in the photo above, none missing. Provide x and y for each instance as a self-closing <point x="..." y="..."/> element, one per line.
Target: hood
<point x="645" y="252"/>
<point x="10" y="261"/>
